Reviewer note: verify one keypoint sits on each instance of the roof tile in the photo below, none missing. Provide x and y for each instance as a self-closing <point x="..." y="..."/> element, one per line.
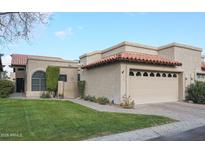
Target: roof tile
<point x="203" y="66"/>
<point x="19" y="59"/>
<point x="134" y="57"/>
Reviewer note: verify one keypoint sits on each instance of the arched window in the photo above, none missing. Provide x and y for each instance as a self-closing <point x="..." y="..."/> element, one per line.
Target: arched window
<point x="163" y="75"/>
<point x="145" y="74"/>
<point x="39" y="81"/>
<point x="151" y="74"/>
<point x="174" y="75"/>
<point x="169" y="75"/>
<point x="131" y="73"/>
<point x="158" y="75"/>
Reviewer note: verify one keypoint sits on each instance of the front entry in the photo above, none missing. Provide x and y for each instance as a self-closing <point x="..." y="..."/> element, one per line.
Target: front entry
<point x="20" y="85"/>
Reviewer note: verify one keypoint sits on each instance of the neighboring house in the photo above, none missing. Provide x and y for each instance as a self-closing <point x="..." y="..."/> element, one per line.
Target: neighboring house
<point x="1" y="65"/>
<point x="30" y="75"/>
<point x="1" y="68"/>
<point x="147" y="74"/>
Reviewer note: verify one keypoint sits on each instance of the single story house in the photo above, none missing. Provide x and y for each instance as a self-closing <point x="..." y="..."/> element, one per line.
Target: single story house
<point x="30" y="75"/>
<point x="145" y="73"/>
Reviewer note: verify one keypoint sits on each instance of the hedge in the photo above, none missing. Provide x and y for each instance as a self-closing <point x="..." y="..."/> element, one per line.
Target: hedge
<point x="52" y="75"/>
<point x="81" y="87"/>
<point x="6" y="88"/>
<point x="196" y="92"/>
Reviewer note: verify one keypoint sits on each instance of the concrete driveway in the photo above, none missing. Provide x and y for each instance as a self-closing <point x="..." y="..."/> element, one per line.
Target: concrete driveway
<point x="197" y="134"/>
<point x="189" y="116"/>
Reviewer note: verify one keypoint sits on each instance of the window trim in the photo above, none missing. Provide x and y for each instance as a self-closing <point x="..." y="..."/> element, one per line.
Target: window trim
<point x="63" y="75"/>
<point x="146" y="74"/>
<point x="131" y="73"/>
<point x="41" y="85"/>
<point x="152" y="74"/>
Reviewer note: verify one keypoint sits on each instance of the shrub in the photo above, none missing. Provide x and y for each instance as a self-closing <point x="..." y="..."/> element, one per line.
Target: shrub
<point x="87" y="97"/>
<point x="6" y="88"/>
<point x="196" y="92"/>
<point x="127" y="103"/>
<point x="103" y="100"/>
<point x="90" y="98"/>
<point x="93" y="99"/>
<point x="52" y="75"/>
<point x="81" y="87"/>
<point x="45" y="95"/>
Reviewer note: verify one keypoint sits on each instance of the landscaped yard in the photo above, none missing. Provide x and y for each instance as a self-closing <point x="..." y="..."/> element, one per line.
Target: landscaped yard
<point x="64" y="120"/>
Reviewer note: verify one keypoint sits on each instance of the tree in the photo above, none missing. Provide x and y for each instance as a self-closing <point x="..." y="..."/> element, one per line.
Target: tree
<point x="52" y="76"/>
<point x="19" y="25"/>
<point x="3" y="75"/>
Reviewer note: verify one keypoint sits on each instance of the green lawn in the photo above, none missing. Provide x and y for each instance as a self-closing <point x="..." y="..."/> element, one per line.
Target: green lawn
<point x="64" y="120"/>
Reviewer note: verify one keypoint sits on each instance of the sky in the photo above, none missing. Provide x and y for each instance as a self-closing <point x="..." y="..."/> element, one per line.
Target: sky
<point x="69" y="35"/>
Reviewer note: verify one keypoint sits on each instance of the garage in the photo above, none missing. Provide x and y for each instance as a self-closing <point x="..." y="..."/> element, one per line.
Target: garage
<point x="153" y="86"/>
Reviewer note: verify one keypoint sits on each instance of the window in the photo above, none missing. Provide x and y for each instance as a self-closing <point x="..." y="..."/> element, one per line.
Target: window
<point x="163" y="75"/>
<point x="169" y="75"/>
<point x="145" y="74"/>
<point x="158" y="75"/>
<point x="151" y="74"/>
<point x="63" y="77"/>
<point x="201" y="76"/>
<point x="21" y="69"/>
<point x="138" y="74"/>
<point x="78" y="77"/>
<point x="131" y="73"/>
<point x="39" y="81"/>
<point x="174" y="75"/>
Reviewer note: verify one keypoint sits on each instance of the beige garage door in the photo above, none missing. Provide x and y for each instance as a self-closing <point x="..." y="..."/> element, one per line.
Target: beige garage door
<point x="153" y="87"/>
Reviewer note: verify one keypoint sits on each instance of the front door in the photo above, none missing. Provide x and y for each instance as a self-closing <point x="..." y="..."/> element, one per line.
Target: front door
<point x="20" y="85"/>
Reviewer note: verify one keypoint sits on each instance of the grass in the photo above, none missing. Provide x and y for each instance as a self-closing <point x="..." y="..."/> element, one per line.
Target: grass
<point x="64" y="120"/>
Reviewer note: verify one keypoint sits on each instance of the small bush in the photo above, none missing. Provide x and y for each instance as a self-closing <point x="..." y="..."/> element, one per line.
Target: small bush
<point x="127" y="103"/>
<point x="87" y="97"/>
<point x="196" y="92"/>
<point x="93" y="99"/>
<point x="103" y="100"/>
<point x="6" y="88"/>
<point x="45" y="95"/>
<point x="90" y="98"/>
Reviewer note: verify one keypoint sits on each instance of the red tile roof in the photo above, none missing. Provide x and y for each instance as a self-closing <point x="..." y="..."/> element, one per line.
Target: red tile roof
<point x="19" y="59"/>
<point x="203" y="66"/>
<point x="136" y="58"/>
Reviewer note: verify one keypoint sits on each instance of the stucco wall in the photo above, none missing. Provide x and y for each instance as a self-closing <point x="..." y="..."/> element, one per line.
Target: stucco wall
<point x="103" y="81"/>
<point x="140" y="50"/>
<point x="167" y="52"/>
<point x="191" y="63"/>
<point x="69" y="88"/>
<point x="41" y="65"/>
<point x="113" y="51"/>
<point x="128" y="48"/>
<point x="20" y="73"/>
<point x="93" y="58"/>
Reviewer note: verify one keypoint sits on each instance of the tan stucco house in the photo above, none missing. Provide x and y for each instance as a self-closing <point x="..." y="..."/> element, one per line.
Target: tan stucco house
<point x="145" y="73"/>
<point x="29" y="75"/>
